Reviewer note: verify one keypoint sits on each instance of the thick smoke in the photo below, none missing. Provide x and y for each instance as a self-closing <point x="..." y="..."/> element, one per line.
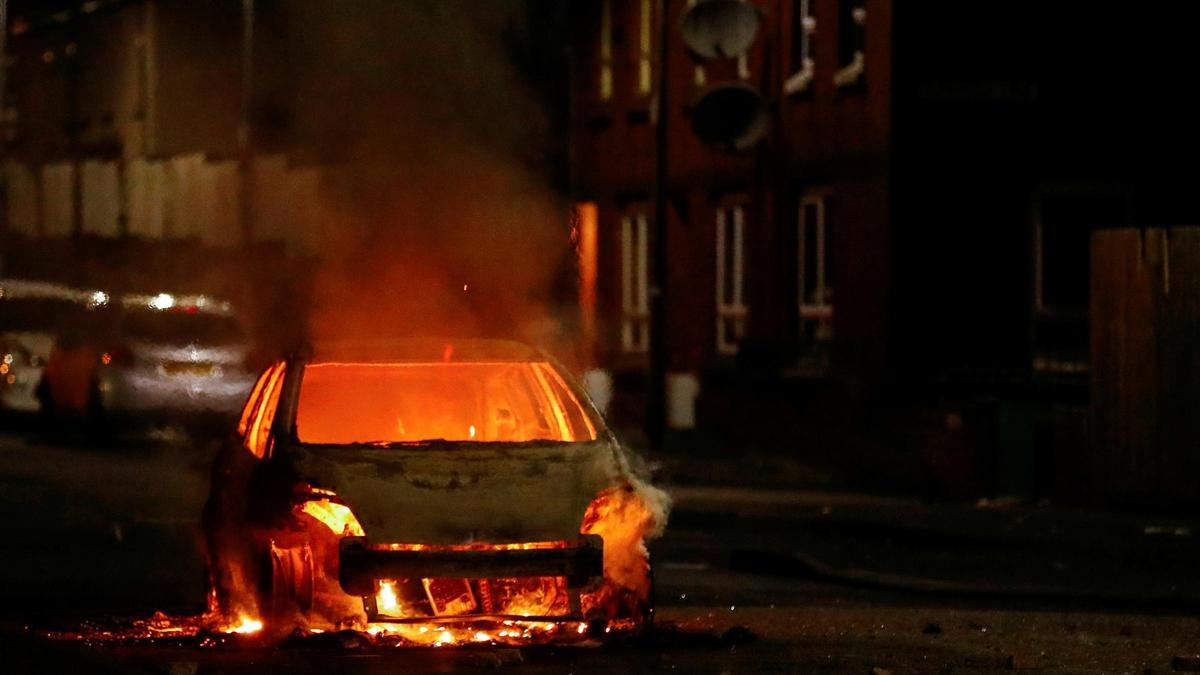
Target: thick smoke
<point x="440" y="215"/>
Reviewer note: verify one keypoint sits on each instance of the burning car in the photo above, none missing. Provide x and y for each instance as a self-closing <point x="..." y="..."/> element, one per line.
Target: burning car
<point x="444" y="492"/>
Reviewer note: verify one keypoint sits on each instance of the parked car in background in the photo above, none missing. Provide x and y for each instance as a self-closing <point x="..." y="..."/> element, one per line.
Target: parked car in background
<point x="32" y="315"/>
<point x="148" y="356"/>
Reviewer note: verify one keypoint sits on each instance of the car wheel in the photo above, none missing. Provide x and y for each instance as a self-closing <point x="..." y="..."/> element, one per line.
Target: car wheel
<point x="287" y="592"/>
<point x="624" y="607"/>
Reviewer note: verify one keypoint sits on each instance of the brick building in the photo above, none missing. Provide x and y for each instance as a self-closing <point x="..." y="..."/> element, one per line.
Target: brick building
<point x="897" y="276"/>
<point x="826" y="163"/>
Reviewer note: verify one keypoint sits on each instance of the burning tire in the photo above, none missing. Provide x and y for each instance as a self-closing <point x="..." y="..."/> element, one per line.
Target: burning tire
<point x="287" y="582"/>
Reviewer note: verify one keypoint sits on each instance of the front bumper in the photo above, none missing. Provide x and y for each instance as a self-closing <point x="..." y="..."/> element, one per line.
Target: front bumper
<point x="362" y="566"/>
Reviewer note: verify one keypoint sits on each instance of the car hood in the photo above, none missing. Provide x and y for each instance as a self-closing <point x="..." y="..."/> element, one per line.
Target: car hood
<point x="465" y="493"/>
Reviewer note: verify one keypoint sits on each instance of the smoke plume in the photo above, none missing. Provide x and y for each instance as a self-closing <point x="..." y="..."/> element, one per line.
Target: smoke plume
<point x="442" y="218"/>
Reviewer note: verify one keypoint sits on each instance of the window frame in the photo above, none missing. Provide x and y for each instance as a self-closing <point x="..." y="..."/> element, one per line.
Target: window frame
<point x="605" y="61"/>
<point x="814" y="318"/>
<point x="555" y="389"/>
<point x="635" y="282"/>
<point x="850" y="71"/>
<point x="804" y="27"/>
<point x="699" y="76"/>
<point x="732" y="313"/>
<point x="645" y="53"/>
<point x="822" y="309"/>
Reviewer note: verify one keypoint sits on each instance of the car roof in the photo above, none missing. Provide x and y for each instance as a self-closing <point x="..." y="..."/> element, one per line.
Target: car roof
<point x="424" y="350"/>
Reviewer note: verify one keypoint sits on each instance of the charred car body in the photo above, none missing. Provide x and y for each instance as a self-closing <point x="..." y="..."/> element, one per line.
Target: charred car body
<point x="420" y="483"/>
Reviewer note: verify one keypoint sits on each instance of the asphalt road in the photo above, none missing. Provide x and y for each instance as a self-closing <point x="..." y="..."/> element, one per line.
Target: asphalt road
<point x="106" y="533"/>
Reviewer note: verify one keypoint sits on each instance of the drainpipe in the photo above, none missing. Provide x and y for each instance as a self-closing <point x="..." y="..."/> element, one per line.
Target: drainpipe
<point x="3" y="123"/>
<point x="656" y="389"/>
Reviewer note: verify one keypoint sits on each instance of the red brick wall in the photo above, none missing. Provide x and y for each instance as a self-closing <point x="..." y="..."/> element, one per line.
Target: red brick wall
<point x="834" y="139"/>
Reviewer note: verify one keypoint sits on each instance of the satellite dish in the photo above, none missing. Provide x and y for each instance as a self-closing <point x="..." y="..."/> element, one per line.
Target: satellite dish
<point x="720" y="29"/>
<point x="730" y="115"/>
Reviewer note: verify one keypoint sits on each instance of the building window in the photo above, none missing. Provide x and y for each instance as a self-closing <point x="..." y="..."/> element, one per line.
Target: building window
<point x="645" y="47"/>
<point x="699" y="77"/>
<point x="635" y="274"/>
<point x="606" y="44"/>
<point x="815" y="290"/>
<point x="804" y="25"/>
<point x="852" y="42"/>
<point x="731" y="305"/>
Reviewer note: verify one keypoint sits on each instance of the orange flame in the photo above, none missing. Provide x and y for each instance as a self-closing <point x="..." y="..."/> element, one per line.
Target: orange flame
<point x="245" y="625"/>
<point x="624" y="520"/>
<point x="453" y="612"/>
<point x="337" y="517"/>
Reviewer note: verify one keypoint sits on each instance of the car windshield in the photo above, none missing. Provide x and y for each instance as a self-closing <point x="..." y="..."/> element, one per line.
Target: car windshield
<point x="402" y="403"/>
<point x="182" y="327"/>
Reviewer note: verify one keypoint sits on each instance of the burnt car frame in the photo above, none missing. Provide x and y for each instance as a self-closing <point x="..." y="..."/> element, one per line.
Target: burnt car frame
<point x="322" y="517"/>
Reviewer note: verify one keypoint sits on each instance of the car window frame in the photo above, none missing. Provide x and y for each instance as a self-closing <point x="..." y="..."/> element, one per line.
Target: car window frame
<point x="256" y="437"/>
<point x="251" y="403"/>
<point x="286" y="427"/>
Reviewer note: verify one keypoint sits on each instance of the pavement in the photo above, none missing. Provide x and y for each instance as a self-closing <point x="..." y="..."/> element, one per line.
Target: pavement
<point x="986" y="549"/>
<point x="749" y="579"/>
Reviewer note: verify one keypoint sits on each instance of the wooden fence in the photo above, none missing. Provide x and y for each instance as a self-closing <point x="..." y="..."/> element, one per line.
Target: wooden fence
<point x="1145" y="353"/>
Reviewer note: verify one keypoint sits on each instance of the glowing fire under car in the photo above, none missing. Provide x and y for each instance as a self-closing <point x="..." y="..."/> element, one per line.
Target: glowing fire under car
<point x="434" y="493"/>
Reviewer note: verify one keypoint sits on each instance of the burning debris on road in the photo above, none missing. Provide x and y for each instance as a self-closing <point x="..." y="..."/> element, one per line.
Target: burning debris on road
<point x="213" y="631"/>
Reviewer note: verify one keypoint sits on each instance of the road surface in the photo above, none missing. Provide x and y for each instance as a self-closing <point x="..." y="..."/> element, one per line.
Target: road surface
<point x="106" y="533"/>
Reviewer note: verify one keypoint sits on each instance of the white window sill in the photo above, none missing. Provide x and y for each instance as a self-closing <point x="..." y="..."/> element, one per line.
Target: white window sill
<point x="816" y="311"/>
<point x="800" y="80"/>
<point x="852" y="73"/>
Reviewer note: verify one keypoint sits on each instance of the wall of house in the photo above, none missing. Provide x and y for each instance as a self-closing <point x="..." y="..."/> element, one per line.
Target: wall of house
<point x="778" y="392"/>
<point x="828" y="139"/>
